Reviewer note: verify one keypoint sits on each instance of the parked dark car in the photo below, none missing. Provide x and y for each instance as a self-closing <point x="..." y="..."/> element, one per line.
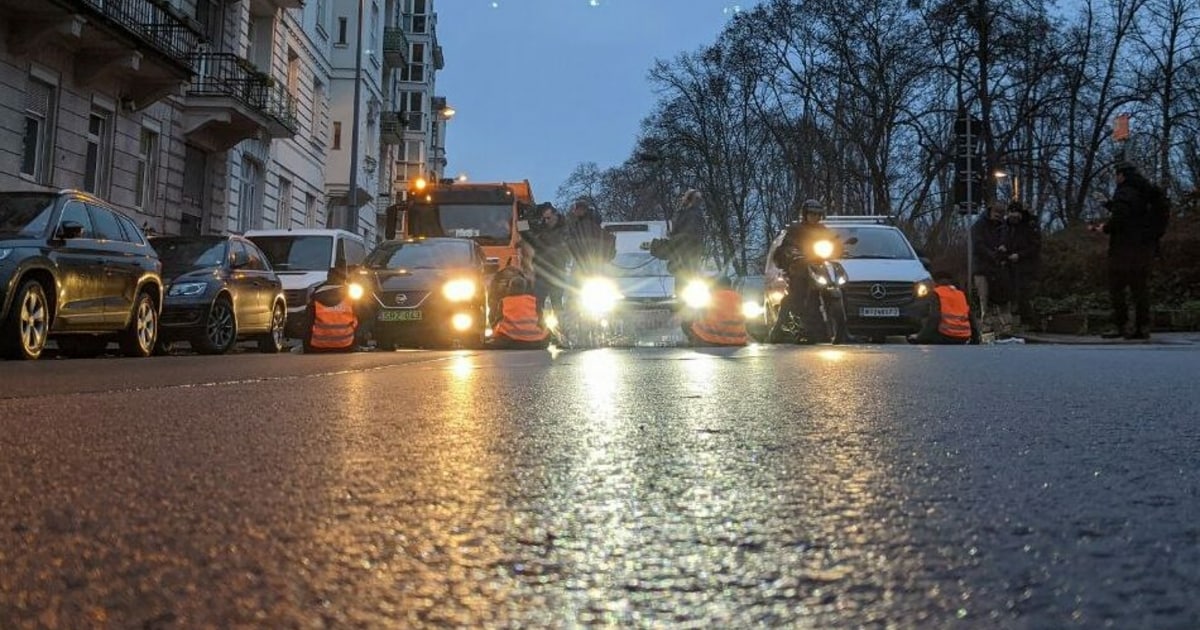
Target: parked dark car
<point x="220" y="289"/>
<point x="74" y="269"/>
<point x="427" y="292"/>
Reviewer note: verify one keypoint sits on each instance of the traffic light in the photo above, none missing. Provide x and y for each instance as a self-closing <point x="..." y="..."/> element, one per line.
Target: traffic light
<point x="969" y="168"/>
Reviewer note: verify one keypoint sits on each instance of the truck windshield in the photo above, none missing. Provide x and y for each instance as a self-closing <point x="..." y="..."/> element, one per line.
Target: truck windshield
<point x="297" y="253"/>
<point x="486" y="224"/>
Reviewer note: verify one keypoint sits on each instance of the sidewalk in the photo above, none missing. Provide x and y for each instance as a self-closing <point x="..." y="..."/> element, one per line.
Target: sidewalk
<point x="1165" y="338"/>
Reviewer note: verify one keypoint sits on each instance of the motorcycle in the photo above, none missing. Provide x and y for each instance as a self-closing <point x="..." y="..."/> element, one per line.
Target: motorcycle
<point x="824" y="316"/>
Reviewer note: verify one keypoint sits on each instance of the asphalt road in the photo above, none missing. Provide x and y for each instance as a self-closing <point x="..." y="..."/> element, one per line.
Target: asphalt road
<point x="894" y="486"/>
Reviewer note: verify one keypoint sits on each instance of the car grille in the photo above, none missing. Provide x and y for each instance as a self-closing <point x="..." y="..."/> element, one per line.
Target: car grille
<point x="893" y="293"/>
<point x="296" y="297"/>
<point x="394" y="299"/>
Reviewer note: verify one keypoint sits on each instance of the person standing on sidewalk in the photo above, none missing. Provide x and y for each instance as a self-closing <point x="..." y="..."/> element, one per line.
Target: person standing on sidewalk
<point x="1131" y="247"/>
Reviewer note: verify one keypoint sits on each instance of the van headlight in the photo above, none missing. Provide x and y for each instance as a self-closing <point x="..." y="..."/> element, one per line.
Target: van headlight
<point x="697" y="294"/>
<point x="752" y="310"/>
<point x="923" y="288"/>
<point x="355" y="291"/>
<point x="459" y="290"/>
<point x="599" y="296"/>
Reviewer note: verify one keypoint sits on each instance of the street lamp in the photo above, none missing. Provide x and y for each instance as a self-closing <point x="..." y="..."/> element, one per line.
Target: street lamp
<point x="1015" y="183"/>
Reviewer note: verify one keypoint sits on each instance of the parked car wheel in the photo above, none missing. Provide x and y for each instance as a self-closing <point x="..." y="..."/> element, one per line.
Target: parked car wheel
<point x="272" y="342"/>
<point x="24" y="334"/>
<point x="220" y="328"/>
<point x="138" y="339"/>
<point x="83" y="347"/>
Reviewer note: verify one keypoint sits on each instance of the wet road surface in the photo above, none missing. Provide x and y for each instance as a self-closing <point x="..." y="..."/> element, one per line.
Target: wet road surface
<point x="1006" y="487"/>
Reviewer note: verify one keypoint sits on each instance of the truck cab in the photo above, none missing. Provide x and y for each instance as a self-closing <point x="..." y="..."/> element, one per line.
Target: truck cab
<point x="487" y="213"/>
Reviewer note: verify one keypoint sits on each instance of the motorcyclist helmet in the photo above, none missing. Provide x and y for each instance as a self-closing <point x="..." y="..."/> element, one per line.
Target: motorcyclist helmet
<point x="812" y="207"/>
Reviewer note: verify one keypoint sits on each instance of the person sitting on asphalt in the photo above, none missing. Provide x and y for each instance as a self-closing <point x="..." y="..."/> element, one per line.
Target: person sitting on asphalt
<point x="722" y="323"/>
<point x="519" y="327"/>
<point x="950" y="320"/>
<point x="333" y="323"/>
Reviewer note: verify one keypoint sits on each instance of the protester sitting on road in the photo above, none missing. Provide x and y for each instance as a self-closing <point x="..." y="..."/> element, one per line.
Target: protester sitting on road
<point x="950" y="320"/>
<point x="333" y="324"/>
<point x="519" y="327"/>
<point x="722" y="323"/>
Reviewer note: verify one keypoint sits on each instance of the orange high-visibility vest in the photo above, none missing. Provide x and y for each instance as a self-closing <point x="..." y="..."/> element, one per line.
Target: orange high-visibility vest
<point x="956" y="314"/>
<point x="723" y="323"/>
<point x="333" y="326"/>
<point x="519" y="319"/>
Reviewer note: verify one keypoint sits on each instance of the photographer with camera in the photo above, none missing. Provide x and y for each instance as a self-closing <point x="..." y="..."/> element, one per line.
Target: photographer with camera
<point x="548" y="240"/>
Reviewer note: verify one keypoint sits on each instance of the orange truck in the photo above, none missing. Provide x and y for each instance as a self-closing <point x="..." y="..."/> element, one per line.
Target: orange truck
<point x="490" y="214"/>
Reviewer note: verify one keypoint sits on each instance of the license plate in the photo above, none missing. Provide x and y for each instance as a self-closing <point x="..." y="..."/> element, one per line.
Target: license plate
<point x="879" y="312"/>
<point x="400" y="316"/>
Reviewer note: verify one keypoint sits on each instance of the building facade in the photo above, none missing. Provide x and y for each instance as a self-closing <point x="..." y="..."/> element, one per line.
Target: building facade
<point x="204" y="116"/>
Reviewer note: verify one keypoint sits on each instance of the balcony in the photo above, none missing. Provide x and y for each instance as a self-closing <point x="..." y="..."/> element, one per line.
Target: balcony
<point x="439" y="62"/>
<point x="230" y="101"/>
<point x="140" y="45"/>
<point x="391" y="127"/>
<point x="395" y="47"/>
<point x="269" y="7"/>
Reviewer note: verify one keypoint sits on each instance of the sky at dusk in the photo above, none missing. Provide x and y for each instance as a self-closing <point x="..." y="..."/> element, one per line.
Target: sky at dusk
<point x="540" y="86"/>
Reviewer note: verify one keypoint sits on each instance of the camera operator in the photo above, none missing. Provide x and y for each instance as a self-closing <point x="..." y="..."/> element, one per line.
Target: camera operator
<point x="547" y="238"/>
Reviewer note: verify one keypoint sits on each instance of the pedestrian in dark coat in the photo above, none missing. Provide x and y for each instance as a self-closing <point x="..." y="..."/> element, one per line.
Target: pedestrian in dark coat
<point x="1131" y="246"/>
<point x="1024" y="251"/>
<point x="590" y="245"/>
<point x="990" y="258"/>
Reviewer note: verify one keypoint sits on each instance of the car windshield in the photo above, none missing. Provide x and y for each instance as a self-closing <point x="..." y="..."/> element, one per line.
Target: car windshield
<point x="419" y="255"/>
<point x="184" y="254"/>
<point x="486" y="224"/>
<point x="297" y="253"/>
<point x="875" y="243"/>
<point x="635" y="265"/>
<point x="25" y="215"/>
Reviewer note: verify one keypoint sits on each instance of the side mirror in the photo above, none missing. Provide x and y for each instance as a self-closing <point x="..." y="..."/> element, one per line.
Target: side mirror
<point x="70" y="229"/>
<point x="853" y="240"/>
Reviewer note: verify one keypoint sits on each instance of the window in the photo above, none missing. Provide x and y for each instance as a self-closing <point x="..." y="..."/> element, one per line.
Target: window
<point x="414" y="106"/>
<point x="147" y="164"/>
<point x="355" y="252"/>
<point x="341" y="34"/>
<point x="417" y="18"/>
<point x="251" y="195"/>
<point x="293" y="74"/>
<point x="76" y="212"/>
<point x="261" y="37"/>
<point x="337" y="136"/>
<point x="256" y="261"/>
<point x="310" y="210"/>
<point x="374" y="30"/>
<point x="283" y="216"/>
<point x="39" y="120"/>
<point x="318" y="110"/>
<point x="132" y="233"/>
<point x="105" y="223"/>
<point x="415" y="70"/>
<point x="322" y="16"/>
<point x="98" y="163"/>
<point x="340" y="259"/>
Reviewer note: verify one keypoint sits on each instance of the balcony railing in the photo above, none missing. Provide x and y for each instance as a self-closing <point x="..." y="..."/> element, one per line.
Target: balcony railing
<point x="228" y="75"/>
<point x="391" y="127"/>
<point x="395" y="46"/>
<point x="150" y="21"/>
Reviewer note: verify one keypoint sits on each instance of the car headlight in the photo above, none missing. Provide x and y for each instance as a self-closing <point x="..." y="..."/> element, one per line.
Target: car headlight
<point x="599" y="296"/>
<point x="187" y="289"/>
<point x="697" y="295"/>
<point x="923" y="288"/>
<point x="823" y="248"/>
<point x="355" y="291"/>
<point x="459" y="290"/>
<point x="752" y="310"/>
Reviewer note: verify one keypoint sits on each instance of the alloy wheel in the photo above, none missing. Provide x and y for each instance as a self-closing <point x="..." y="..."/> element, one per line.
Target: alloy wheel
<point x="33" y="320"/>
<point x="219" y="328"/>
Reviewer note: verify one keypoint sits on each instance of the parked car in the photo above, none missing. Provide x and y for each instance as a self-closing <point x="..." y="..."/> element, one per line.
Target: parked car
<point x="76" y="270"/>
<point x="302" y="260"/>
<point x="220" y="289"/>
<point x="888" y="285"/>
<point x="428" y="292"/>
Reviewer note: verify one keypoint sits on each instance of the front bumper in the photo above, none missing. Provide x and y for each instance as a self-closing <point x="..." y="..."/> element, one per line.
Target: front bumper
<point x="861" y="320"/>
<point x="434" y="323"/>
<point x="183" y="317"/>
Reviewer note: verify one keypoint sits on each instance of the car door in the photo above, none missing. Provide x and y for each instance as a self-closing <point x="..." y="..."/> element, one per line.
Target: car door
<point x="80" y="266"/>
<point x="244" y="286"/>
<point x="272" y="285"/>
<point x="121" y="267"/>
<point x="258" y="270"/>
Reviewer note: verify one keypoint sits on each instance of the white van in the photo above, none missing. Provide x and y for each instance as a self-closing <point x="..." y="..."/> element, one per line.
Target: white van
<point x="641" y="278"/>
<point x="302" y="260"/>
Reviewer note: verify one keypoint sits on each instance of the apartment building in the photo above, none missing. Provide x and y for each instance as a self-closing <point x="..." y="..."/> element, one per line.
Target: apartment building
<point x="201" y="116"/>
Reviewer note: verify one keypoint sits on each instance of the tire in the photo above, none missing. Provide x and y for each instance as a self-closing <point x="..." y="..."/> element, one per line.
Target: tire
<point x="272" y="342"/>
<point x="27" y="327"/>
<point x="162" y="347"/>
<point x="220" y="328"/>
<point x="83" y="347"/>
<point x="139" y="338"/>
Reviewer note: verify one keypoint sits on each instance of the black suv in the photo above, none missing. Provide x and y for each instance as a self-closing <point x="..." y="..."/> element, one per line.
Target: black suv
<point x="74" y="268"/>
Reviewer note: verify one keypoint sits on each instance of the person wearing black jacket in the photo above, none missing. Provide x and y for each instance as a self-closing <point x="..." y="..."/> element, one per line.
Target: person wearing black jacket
<point x="792" y="257"/>
<point x="550" y="257"/>
<point x="686" y="239"/>
<point x="1023" y="258"/>
<point x="590" y="245"/>
<point x="1131" y="246"/>
<point x="990" y="256"/>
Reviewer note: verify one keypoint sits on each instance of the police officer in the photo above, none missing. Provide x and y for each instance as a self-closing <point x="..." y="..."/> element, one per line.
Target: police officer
<point x="792" y="257"/>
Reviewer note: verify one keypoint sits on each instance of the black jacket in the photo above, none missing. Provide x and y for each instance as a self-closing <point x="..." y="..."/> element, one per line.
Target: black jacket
<point x="550" y="251"/>
<point x="1129" y="226"/>
<point x="1025" y="240"/>
<point x="798" y="242"/>
<point x="590" y="245"/>
<point x="988" y="235"/>
<point x="686" y="240"/>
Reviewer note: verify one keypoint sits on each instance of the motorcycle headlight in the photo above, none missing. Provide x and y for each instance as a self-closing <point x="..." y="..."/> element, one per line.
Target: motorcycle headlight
<point x="187" y="289"/>
<point x="696" y="294"/>
<point x="752" y="310"/>
<point x="923" y="288"/>
<point x="823" y="248"/>
<point x="459" y="290"/>
<point x="355" y="291"/>
<point x="599" y="297"/>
